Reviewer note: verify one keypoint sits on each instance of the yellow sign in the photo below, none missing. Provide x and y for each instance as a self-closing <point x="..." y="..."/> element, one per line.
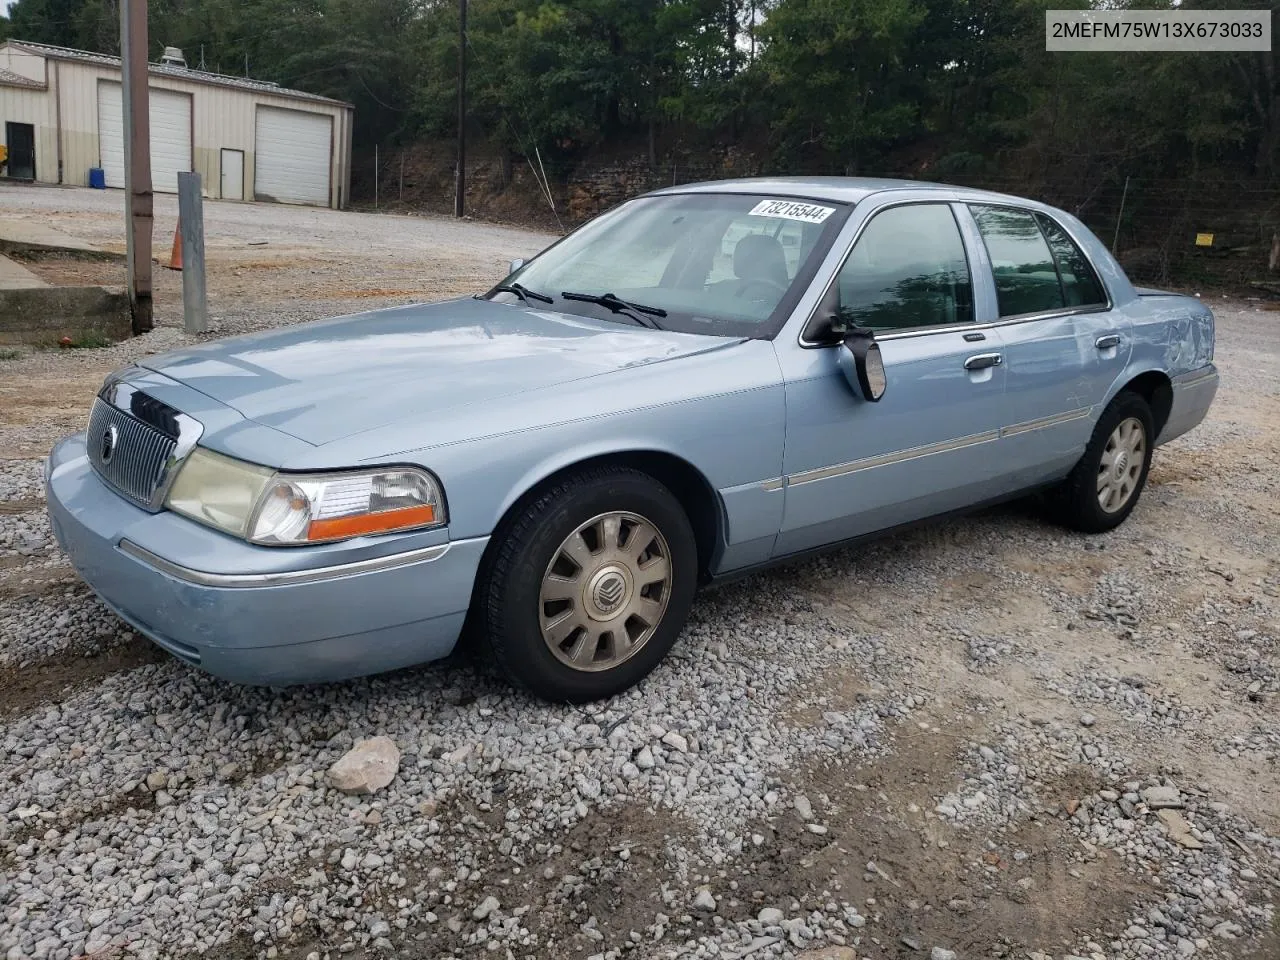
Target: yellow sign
<point x="1204" y="239"/>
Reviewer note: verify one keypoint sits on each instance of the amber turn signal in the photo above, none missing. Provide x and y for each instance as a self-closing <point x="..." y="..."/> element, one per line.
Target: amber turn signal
<point x="383" y="522"/>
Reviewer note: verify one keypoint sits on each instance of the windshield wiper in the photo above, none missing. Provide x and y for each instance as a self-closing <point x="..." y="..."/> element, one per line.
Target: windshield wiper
<point x="639" y="312"/>
<point x="523" y="292"/>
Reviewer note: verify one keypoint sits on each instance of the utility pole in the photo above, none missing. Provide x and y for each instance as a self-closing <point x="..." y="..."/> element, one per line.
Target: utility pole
<point x="139" y="207"/>
<point x="460" y="181"/>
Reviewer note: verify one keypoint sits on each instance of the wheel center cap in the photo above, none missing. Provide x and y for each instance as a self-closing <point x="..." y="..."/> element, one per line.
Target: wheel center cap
<point x="607" y="592"/>
<point x="1121" y="466"/>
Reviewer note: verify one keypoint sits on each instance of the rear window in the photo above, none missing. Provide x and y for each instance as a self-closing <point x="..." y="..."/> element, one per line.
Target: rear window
<point x="1025" y="272"/>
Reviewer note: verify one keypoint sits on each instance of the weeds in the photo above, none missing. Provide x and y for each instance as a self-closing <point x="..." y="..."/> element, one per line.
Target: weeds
<point x="90" y="339"/>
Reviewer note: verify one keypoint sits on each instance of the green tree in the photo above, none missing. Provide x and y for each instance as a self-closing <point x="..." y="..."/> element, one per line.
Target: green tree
<point x="838" y="86"/>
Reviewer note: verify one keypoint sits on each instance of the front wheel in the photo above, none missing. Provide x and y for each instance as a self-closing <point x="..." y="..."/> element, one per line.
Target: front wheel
<point x="1103" y="488"/>
<point x="589" y="585"/>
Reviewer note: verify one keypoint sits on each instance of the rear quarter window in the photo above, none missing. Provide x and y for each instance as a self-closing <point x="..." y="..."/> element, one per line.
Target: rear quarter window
<point x="1080" y="284"/>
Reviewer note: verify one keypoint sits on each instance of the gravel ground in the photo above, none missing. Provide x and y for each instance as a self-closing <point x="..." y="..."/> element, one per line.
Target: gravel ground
<point x="986" y="738"/>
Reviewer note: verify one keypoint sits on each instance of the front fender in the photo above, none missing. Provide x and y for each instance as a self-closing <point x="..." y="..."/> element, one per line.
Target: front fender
<point x="484" y="478"/>
<point x="561" y="460"/>
<point x="722" y="412"/>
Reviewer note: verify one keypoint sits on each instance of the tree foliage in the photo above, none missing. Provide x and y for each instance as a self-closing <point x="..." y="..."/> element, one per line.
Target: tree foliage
<point x="935" y="86"/>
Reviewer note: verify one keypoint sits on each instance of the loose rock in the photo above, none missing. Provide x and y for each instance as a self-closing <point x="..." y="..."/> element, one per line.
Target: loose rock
<point x="367" y="767"/>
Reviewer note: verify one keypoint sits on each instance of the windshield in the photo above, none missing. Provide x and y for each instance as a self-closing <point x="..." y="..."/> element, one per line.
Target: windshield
<point x="716" y="263"/>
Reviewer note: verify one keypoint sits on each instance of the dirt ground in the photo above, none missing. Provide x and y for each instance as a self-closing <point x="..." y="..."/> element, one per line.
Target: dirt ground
<point x="1011" y="680"/>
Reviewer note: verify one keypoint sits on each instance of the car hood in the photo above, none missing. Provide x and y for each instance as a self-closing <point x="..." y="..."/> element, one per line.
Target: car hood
<point x="323" y="381"/>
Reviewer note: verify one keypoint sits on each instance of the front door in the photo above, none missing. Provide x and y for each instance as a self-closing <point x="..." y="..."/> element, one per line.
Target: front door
<point x="853" y="467"/>
<point x="21" y="138"/>
<point x="1064" y="347"/>
<point x="232" y="174"/>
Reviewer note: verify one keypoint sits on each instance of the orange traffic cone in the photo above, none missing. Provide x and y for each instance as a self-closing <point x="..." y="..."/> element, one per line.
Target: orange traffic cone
<point x="175" y="258"/>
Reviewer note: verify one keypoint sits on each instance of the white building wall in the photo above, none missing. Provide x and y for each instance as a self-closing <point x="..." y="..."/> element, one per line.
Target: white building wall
<point x="29" y="105"/>
<point x="24" y="64"/>
<point x="222" y="117"/>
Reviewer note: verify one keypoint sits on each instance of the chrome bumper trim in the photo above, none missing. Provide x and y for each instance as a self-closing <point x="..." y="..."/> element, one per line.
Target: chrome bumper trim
<point x="283" y="577"/>
<point x="1195" y="378"/>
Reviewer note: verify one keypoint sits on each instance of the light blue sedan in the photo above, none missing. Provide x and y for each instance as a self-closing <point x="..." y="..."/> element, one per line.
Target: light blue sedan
<point x="702" y="381"/>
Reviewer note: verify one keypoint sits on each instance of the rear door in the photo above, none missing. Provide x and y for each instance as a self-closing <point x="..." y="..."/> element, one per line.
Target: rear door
<point x="1063" y="343"/>
<point x="853" y="467"/>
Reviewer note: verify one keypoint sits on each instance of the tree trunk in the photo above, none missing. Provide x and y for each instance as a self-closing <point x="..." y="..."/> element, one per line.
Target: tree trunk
<point x="613" y="118"/>
<point x="731" y="35"/>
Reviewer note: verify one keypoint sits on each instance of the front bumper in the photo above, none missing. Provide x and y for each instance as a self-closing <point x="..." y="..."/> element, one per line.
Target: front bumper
<point x="261" y="615"/>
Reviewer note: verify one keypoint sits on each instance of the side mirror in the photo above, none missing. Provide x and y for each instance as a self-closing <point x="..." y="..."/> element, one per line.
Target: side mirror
<point x="862" y="365"/>
<point x="859" y="358"/>
<point x="515" y="265"/>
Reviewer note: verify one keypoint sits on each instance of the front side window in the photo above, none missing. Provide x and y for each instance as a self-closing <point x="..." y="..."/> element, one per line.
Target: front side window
<point x="716" y="263"/>
<point x="1080" y="284"/>
<point x="1025" y="273"/>
<point x="907" y="270"/>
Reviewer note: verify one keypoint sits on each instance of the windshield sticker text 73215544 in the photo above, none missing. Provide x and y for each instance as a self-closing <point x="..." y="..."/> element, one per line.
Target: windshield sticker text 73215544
<point x="792" y="210"/>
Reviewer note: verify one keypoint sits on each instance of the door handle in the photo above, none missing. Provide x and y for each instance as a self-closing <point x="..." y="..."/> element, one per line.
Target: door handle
<point x="983" y="360"/>
<point x="1107" y="342"/>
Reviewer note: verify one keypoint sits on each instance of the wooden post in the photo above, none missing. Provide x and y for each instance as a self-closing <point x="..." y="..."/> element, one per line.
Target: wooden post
<point x="139" y="206"/>
<point x="195" y="302"/>
<point x="460" y="179"/>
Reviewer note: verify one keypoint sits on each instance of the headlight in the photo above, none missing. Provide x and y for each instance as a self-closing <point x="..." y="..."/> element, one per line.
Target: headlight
<point x="272" y="508"/>
<point x="318" y="507"/>
<point x="218" y="490"/>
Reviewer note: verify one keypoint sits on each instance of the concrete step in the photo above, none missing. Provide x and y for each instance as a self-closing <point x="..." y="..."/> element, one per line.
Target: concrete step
<point x="14" y="276"/>
<point x="21" y="235"/>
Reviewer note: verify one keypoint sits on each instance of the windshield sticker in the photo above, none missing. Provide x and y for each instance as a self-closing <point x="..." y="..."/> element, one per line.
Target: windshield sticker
<point x="792" y="210"/>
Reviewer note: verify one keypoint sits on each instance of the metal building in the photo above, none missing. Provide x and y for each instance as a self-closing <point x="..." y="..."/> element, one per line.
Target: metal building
<point x="60" y="117"/>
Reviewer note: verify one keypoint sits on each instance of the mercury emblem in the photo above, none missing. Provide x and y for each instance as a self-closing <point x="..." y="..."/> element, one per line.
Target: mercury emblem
<point x="110" y="437"/>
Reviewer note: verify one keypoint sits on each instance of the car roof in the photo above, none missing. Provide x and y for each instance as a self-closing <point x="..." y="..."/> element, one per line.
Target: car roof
<point x="839" y="189"/>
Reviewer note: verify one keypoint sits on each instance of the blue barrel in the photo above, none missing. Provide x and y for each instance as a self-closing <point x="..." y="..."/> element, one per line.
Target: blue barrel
<point x="97" y="178"/>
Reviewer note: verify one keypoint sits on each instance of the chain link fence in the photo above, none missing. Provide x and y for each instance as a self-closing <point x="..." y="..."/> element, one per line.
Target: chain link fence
<point x="1188" y="232"/>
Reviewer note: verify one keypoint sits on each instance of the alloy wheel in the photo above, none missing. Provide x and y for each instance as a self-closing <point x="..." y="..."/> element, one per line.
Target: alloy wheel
<point x="605" y="591"/>
<point x="1121" y="465"/>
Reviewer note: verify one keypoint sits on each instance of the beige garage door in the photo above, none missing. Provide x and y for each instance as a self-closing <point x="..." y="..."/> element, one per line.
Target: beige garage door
<point x="291" y="162"/>
<point x="170" y="136"/>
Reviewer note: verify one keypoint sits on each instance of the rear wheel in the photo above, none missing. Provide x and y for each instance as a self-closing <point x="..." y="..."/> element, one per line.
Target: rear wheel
<point x="1105" y="485"/>
<point x="589" y="585"/>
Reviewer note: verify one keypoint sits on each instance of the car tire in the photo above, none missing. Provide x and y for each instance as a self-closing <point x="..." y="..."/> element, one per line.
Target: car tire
<point x="565" y="600"/>
<point x="1104" y="487"/>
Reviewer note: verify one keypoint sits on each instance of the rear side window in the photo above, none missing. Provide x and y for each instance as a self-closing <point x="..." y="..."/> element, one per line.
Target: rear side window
<point x="1025" y="273"/>
<point x="1080" y="285"/>
<point x="908" y="270"/>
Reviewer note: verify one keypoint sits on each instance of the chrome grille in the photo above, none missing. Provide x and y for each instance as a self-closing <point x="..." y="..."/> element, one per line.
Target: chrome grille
<point x="128" y="454"/>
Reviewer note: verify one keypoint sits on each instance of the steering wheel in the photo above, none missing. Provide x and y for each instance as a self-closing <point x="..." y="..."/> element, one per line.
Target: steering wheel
<point x="771" y="290"/>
